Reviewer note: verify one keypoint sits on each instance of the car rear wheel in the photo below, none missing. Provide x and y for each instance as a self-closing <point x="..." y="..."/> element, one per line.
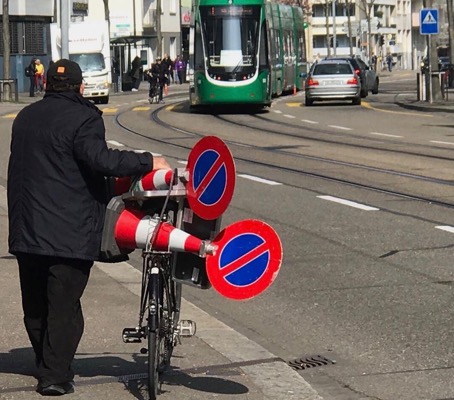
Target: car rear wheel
<point x="356" y="101"/>
<point x="375" y="89"/>
<point x="309" y="102"/>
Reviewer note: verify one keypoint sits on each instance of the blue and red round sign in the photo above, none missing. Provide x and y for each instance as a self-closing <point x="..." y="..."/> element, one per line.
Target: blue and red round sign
<point x="247" y="261"/>
<point x="211" y="178"/>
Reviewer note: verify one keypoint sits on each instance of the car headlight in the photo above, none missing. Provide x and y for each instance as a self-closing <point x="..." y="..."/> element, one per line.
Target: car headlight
<point x="101" y="86"/>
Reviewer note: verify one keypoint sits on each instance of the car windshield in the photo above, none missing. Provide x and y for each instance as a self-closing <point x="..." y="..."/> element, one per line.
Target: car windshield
<point x="332" y="69"/>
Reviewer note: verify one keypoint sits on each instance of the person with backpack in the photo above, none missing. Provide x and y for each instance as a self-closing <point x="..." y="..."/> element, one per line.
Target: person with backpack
<point x="30" y="72"/>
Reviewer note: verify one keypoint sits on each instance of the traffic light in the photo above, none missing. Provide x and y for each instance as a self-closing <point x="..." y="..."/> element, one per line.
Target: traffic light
<point x="382" y="40"/>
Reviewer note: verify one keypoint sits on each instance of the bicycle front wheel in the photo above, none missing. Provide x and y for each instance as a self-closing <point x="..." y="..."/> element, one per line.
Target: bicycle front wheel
<point x="154" y="336"/>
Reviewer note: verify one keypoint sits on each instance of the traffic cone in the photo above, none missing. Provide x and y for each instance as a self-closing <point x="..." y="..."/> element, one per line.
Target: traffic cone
<point x="135" y="230"/>
<point x="294" y="90"/>
<point x="158" y="179"/>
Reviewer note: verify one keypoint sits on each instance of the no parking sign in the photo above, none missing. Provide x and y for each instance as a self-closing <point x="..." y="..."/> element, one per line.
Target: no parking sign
<point x="211" y="178"/>
<point x="247" y="261"/>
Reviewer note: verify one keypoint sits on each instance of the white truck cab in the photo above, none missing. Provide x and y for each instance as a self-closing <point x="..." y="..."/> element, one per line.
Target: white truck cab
<point x="88" y="46"/>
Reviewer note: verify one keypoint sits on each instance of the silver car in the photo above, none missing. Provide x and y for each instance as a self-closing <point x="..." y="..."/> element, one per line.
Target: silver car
<point x="332" y="80"/>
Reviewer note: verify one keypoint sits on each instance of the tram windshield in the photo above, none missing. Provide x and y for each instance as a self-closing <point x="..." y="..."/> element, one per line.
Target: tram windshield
<point x="230" y="35"/>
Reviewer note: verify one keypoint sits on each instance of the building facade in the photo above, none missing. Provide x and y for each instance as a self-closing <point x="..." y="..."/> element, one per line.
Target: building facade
<point x="132" y="24"/>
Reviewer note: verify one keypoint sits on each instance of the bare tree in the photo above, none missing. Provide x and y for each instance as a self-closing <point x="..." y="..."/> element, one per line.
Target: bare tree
<point x="6" y="48"/>
<point x="327" y="7"/>
<point x="348" y="5"/>
<point x="367" y="6"/>
<point x="307" y="10"/>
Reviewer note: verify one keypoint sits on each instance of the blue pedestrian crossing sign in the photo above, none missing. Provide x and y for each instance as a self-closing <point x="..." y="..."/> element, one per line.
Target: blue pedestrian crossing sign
<point x="428" y="21"/>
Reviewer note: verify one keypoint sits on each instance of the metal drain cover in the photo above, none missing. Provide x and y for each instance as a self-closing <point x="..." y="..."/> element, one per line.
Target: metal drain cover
<point x="310" y="362"/>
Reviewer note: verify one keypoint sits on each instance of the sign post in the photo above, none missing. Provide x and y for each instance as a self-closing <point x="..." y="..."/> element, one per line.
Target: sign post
<point x="428" y="25"/>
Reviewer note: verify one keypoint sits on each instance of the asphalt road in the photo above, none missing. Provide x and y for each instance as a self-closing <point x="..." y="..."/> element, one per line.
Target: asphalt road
<point x="360" y="197"/>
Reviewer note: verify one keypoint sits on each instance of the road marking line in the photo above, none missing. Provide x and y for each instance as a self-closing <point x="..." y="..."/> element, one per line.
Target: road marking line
<point x="340" y="127"/>
<point x="182" y="162"/>
<point x="289" y="116"/>
<point x="12" y="116"/>
<point x="348" y="203"/>
<point x="115" y="143"/>
<point x="141" y="109"/>
<point x="257" y="179"/>
<point x="309" y="121"/>
<point x="439" y="142"/>
<point x="109" y="110"/>
<point x="446" y="228"/>
<point x="367" y="105"/>
<point x="293" y="104"/>
<point x="278" y="111"/>
<point x="384" y="134"/>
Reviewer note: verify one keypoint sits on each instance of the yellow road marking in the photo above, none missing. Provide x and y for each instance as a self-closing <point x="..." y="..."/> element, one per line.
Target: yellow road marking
<point x="294" y="104"/>
<point x="109" y="110"/>
<point x="367" y="105"/>
<point x="12" y="116"/>
<point x="141" y="108"/>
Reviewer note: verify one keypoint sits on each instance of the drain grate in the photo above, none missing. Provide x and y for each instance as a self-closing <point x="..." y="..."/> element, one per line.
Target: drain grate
<point x="310" y="362"/>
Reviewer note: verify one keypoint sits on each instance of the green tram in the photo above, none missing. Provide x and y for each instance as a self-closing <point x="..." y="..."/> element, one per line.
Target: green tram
<point x="245" y="51"/>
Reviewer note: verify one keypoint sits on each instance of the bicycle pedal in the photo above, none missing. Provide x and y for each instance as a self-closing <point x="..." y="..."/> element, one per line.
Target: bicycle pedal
<point x="187" y="328"/>
<point x="132" y="335"/>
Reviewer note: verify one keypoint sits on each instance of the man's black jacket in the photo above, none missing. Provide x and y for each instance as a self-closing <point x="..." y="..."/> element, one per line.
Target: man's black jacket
<point x="56" y="190"/>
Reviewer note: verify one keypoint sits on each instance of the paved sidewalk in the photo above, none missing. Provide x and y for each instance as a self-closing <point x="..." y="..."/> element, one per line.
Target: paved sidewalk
<point x="410" y="100"/>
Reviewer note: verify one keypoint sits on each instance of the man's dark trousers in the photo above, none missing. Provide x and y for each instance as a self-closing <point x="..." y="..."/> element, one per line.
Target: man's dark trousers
<point x="51" y="291"/>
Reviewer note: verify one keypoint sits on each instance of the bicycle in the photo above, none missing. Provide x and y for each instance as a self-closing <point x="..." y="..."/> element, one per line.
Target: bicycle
<point x="160" y="300"/>
<point x="153" y="93"/>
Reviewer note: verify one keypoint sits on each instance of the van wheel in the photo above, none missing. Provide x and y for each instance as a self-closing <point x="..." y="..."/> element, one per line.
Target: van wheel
<point x="104" y="100"/>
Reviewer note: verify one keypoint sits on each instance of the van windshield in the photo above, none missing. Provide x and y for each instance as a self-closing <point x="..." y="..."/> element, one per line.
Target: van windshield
<point x="89" y="61"/>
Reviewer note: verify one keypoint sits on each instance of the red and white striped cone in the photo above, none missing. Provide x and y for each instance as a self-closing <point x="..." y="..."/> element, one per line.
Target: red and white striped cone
<point x="158" y="179"/>
<point x="169" y="238"/>
<point x="134" y="230"/>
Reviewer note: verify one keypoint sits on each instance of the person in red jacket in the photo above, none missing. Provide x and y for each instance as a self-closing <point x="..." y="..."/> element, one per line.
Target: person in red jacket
<point x="56" y="206"/>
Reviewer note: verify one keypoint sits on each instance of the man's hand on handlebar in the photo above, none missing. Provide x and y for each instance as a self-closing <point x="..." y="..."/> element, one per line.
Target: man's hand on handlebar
<point x="160" y="163"/>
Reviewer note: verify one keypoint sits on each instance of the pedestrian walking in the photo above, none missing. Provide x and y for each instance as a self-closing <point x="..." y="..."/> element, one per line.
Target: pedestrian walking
<point x="373" y="61"/>
<point x="389" y="62"/>
<point x="30" y="72"/>
<point x="135" y="73"/>
<point x="180" y="67"/>
<point x="56" y="208"/>
<point x="39" y="76"/>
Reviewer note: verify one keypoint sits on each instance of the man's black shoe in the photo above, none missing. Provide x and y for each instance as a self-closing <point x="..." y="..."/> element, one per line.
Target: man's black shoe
<point x="57" y="389"/>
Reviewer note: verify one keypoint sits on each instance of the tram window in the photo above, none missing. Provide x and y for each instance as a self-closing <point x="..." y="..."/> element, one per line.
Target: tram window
<point x="230" y="38"/>
<point x="198" y="49"/>
<point x="263" y="55"/>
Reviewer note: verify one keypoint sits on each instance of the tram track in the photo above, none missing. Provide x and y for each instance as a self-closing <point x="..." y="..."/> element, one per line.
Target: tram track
<point x="260" y="156"/>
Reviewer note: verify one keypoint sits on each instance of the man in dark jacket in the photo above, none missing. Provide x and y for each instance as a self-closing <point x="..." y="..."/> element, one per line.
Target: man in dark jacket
<point x="56" y="207"/>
